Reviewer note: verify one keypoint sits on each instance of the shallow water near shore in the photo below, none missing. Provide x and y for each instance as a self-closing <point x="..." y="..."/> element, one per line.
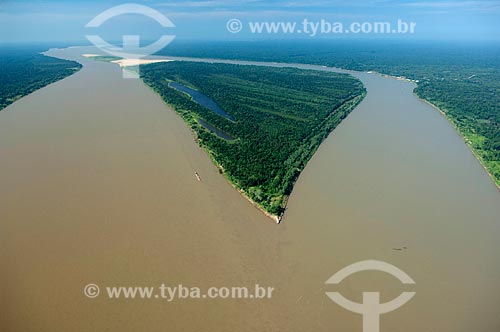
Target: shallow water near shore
<point x="98" y="185"/>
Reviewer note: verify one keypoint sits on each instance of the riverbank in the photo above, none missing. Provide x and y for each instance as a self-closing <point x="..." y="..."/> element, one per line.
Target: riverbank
<point x="275" y="218"/>
<point x="189" y="120"/>
<point x="467" y="140"/>
<point x="464" y="137"/>
<point x="114" y="169"/>
<point x="269" y="150"/>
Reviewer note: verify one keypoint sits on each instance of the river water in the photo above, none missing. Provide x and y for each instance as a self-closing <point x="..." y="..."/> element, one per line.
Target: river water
<point x="201" y="99"/>
<point x="97" y="185"/>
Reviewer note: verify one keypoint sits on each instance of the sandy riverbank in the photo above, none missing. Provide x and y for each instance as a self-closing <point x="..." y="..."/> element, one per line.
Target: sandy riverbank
<point x="136" y="62"/>
<point x="127" y="62"/>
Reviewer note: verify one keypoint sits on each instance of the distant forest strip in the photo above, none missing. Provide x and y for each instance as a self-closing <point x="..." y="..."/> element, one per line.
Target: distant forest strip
<point x="281" y="116"/>
<point x="24" y="70"/>
<point x="462" y="80"/>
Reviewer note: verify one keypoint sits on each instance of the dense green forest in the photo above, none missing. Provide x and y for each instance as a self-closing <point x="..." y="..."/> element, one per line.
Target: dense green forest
<point x="281" y="116"/>
<point x="24" y="70"/>
<point x="463" y="80"/>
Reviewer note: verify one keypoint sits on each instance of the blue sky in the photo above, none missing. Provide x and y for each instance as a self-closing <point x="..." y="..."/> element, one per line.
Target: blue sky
<point x="57" y="20"/>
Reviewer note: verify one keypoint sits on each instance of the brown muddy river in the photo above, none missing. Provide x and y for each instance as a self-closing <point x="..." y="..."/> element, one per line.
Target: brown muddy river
<point x="97" y="185"/>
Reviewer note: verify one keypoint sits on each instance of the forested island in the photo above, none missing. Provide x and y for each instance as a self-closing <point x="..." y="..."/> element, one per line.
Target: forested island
<point x="24" y="70"/>
<point x="275" y="118"/>
<point x="461" y="79"/>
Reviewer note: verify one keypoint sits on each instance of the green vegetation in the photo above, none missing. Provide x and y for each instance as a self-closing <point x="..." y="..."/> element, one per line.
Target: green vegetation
<point x="473" y="106"/>
<point x="281" y="117"/>
<point x="463" y="80"/>
<point x="24" y="70"/>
